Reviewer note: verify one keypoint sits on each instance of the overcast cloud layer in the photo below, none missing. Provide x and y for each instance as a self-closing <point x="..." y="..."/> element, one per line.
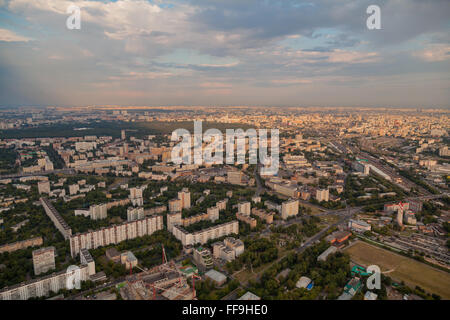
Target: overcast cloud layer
<point x="225" y="52"/>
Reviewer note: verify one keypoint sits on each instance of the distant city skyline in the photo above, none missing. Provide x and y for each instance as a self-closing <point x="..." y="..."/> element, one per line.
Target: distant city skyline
<point x="248" y="52"/>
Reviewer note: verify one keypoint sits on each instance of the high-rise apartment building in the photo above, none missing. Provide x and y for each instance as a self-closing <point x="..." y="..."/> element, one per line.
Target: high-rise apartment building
<point x="185" y="197"/>
<point x="322" y="195"/>
<point x="98" y="212"/>
<point x="135" y="213"/>
<point x="289" y="208"/>
<point x="43" y="260"/>
<point x="244" y="208"/>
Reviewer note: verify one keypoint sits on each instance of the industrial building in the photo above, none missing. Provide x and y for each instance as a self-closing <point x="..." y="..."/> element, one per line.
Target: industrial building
<point x="244" y="208"/>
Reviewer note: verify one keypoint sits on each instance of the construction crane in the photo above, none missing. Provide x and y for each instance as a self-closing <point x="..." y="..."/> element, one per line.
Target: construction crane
<point x="194" y="276"/>
<point x="168" y="266"/>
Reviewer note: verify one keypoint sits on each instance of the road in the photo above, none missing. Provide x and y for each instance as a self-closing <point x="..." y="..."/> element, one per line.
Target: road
<point x="259" y="186"/>
<point x="103" y="286"/>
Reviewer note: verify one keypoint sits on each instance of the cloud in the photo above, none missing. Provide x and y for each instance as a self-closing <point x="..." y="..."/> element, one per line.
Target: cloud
<point x="10" y="36"/>
<point x="215" y="85"/>
<point x="291" y="81"/>
<point x="433" y="53"/>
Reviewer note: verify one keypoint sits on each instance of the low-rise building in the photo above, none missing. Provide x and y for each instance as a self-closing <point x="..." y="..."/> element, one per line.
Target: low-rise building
<point x="217" y="277"/>
<point x="324" y="255"/>
<point x="358" y="225"/>
<point x="128" y="259"/>
<point x="229" y="249"/>
<point x="202" y="257"/>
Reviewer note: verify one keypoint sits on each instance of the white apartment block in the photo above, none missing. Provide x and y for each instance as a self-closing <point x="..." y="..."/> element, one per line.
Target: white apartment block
<point x="244" y="208"/>
<point x="56" y="218"/>
<point x="41" y="287"/>
<point x="222" y="204"/>
<point x="114" y="234"/>
<point x="136" y="196"/>
<point x="86" y="259"/>
<point x="175" y="205"/>
<point x="205" y="235"/>
<point x="98" y="212"/>
<point x="322" y="195"/>
<point x="136" y="193"/>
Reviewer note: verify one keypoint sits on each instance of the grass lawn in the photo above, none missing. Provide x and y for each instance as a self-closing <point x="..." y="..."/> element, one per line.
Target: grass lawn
<point x="400" y="268"/>
<point x="314" y="209"/>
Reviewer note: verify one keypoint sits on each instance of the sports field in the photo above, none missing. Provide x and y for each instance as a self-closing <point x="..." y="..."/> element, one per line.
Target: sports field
<point x="400" y="268"/>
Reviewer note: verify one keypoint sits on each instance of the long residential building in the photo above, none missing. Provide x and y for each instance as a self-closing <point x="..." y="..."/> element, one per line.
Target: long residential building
<point x="114" y="234"/>
<point x="58" y="221"/>
<point x="205" y="235"/>
<point x="42" y="286"/>
<point x="11" y="247"/>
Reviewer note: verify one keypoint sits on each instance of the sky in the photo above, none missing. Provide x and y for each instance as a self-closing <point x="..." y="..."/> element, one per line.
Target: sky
<point x="225" y="52"/>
